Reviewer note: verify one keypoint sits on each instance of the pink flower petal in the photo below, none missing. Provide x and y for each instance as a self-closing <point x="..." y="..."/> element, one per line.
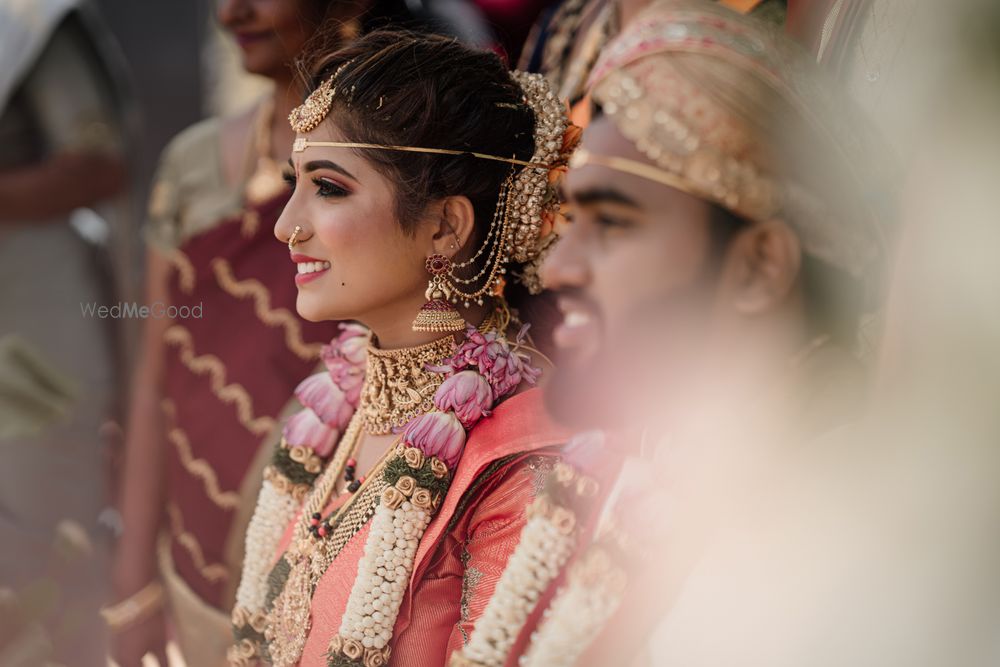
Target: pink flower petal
<point x="438" y="434"/>
<point x="320" y="394"/>
<point x="468" y="395"/>
<point x="354" y="349"/>
<point x="350" y="345"/>
<point x="304" y="429"/>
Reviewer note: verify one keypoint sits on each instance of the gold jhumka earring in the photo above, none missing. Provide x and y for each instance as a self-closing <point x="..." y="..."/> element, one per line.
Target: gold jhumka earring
<point x="447" y="288"/>
<point x="437" y="314"/>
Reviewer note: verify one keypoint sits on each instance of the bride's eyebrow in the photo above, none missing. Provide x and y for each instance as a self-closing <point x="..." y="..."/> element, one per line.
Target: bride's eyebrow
<point x="316" y="165"/>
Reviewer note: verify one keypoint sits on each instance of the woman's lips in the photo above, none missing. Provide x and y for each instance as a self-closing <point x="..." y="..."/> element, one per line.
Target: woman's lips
<point x="246" y="39"/>
<point x="308" y="268"/>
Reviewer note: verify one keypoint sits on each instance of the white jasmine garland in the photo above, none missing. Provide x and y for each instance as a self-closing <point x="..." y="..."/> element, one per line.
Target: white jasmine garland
<point x="578" y="613"/>
<point x="383" y="576"/>
<point x="274" y="511"/>
<point x="536" y="561"/>
<point x="547" y="541"/>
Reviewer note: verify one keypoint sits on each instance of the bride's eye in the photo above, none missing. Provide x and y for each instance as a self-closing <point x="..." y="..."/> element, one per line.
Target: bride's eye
<point x="326" y="188"/>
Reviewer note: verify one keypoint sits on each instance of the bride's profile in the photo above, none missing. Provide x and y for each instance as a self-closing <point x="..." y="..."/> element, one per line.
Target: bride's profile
<point x="422" y="205"/>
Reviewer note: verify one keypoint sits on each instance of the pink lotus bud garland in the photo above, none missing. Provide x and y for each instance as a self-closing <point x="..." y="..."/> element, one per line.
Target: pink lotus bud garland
<point x="484" y="370"/>
<point x="351" y="344"/>
<point x="323" y="396"/>
<point x="503" y="366"/>
<point x="306" y="429"/>
<point x="345" y="360"/>
<point x="439" y="434"/>
<point x="310" y="436"/>
<point x="466" y="393"/>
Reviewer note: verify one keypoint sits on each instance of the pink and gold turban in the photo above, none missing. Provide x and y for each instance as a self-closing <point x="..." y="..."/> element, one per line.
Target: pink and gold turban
<point x="732" y="112"/>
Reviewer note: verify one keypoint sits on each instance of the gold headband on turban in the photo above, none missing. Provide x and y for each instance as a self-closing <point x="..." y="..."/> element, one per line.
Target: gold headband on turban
<point x="731" y="112"/>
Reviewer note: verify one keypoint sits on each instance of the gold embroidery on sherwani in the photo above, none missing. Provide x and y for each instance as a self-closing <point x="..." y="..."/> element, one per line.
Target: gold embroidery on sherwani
<point x="273" y="317"/>
<point x="541" y="467"/>
<point x="470" y="580"/>
<point x="209" y="364"/>
<point x="197" y="467"/>
<point x="214" y="572"/>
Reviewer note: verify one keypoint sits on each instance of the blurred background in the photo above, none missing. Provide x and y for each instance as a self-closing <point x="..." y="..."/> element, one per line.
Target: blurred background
<point x="92" y="91"/>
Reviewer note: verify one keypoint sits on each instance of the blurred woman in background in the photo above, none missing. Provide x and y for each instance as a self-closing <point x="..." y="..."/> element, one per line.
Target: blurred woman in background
<point x="211" y="382"/>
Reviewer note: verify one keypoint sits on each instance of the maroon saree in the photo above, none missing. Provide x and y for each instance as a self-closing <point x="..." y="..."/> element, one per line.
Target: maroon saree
<point x="235" y="351"/>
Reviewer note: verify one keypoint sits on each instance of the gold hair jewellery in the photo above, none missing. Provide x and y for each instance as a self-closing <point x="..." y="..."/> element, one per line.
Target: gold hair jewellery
<point x="308" y="116"/>
<point x="294" y="238"/>
<point x="302" y="143"/>
<point x="532" y="196"/>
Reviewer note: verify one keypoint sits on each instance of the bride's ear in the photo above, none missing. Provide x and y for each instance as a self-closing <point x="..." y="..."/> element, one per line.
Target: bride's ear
<point x="454" y="227"/>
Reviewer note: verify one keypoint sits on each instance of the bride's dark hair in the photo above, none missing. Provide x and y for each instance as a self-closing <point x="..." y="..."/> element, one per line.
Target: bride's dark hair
<point x="401" y="88"/>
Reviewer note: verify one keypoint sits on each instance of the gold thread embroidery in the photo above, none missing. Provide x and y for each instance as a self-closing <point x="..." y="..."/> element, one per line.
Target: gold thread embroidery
<point x="273" y="317"/>
<point x="198" y="467"/>
<point x="211" y="365"/>
<point x="185" y="270"/>
<point x="215" y="572"/>
<point x="249" y="223"/>
<point x="470" y="580"/>
<point x="541" y="468"/>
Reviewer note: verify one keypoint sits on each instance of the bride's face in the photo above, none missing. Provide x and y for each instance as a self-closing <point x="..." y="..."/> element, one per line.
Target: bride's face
<point x="355" y="261"/>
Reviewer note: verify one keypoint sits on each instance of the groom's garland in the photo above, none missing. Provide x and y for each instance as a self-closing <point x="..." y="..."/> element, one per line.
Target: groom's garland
<point x="548" y="539"/>
<point x="594" y="588"/>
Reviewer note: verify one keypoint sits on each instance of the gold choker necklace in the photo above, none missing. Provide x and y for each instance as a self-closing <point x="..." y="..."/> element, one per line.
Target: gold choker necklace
<point x="398" y="386"/>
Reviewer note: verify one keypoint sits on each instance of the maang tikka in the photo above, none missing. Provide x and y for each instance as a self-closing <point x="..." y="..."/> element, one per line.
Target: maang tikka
<point x="438" y="315"/>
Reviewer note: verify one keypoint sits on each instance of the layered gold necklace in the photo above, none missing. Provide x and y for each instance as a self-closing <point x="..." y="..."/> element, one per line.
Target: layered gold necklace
<point x="398" y="386"/>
